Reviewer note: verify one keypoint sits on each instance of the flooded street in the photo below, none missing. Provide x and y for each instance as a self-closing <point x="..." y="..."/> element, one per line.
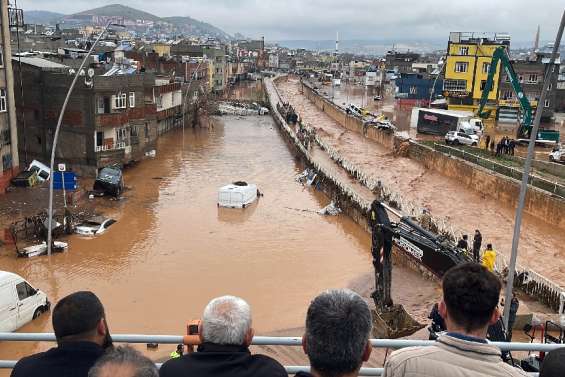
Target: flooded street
<point x="172" y="249"/>
<point x="541" y="243"/>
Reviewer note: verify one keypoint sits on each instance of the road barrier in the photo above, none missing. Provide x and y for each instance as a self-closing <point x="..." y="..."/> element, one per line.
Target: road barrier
<point x="267" y="341"/>
<point x="554" y="188"/>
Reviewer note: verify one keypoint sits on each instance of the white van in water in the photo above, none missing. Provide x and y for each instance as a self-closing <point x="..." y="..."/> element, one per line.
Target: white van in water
<point x="237" y="195"/>
<point x="19" y="302"/>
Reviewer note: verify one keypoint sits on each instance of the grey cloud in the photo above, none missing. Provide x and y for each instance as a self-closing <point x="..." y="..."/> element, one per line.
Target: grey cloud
<point x="354" y="19"/>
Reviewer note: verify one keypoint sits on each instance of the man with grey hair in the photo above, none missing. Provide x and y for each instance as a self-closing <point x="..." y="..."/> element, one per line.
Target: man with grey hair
<point x="225" y="334"/>
<point x="338" y="328"/>
<point x="123" y="361"/>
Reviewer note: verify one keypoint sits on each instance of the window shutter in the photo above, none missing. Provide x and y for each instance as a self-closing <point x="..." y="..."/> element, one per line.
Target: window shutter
<point x="114" y="100"/>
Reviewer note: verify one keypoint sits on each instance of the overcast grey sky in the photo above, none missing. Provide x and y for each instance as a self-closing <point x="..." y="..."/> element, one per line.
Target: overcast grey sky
<point x="354" y="19"/>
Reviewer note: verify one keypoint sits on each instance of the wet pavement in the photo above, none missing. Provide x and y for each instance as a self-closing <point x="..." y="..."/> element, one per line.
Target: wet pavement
<point x="541" y="244"/>
<point x="172" y="249"/>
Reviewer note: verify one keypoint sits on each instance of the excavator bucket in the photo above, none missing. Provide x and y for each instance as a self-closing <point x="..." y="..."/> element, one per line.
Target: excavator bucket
<point x="394" y="322"/>
<point x="390" y="320"/>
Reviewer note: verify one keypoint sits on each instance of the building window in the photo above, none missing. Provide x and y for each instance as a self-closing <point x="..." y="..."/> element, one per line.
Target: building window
<point x="6" y="162"/>
<point x="131" y="99"/>
<point x="1" y="56"/>
<point x="546" y="103"/>
<point x="99" y="138"/>
<point x="463" y="50"/>
<point x="549" y="87"/>
<point x="455" y="85"/>
<point x="507" y="94"/>
<point x="532" y="78"/>
<point x="521" y="78"/>
<point x="486" y="67"/>
<point x="120" y="101"/>
<point x="3" y="104"/>
<point x="461" y="66"/>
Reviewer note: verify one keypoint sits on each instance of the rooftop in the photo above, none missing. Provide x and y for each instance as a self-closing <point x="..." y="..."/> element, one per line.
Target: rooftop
<point x="39" y="62"/>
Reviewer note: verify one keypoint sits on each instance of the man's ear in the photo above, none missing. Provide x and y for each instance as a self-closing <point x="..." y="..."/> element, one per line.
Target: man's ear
<point x="442" y="309"/>
<point x="304" y="344"/>
<point x="249" y="337"/>
<point x="367" y="351"/>
<point x="494" y="317"/>
<point x="101" y="328"/>
<point x="200" y="328"/>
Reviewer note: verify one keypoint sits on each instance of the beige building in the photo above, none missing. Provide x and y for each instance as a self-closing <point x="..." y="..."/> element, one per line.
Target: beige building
<point x="8" y="130"/>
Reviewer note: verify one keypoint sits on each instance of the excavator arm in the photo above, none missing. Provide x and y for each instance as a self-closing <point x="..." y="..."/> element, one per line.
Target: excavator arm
<point x="381" y="250"/>
<point x="501" y="55"/>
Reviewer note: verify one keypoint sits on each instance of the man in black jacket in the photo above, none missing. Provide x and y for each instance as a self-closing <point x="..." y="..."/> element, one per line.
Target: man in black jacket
<point x="338" y="327"/>
<point x="226" y="334"/>
<point x="82" y="337"/>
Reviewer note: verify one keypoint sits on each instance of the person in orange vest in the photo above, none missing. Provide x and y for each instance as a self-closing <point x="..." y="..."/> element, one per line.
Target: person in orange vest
<point x="489" y="258"/>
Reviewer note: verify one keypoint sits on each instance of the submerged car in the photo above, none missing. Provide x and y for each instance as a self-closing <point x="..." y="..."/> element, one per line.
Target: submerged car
<point x="110" y="181"/>
<point x="94" y="226"/>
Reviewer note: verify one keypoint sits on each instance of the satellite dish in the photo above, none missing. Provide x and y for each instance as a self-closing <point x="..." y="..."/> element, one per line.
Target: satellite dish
<point x="90" y="72"/>
<point x="71" y="72"/>
<point x="82" y="73"/>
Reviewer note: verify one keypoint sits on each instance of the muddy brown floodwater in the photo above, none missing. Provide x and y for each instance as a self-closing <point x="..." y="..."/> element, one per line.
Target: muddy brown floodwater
<point x="172" y="249"/>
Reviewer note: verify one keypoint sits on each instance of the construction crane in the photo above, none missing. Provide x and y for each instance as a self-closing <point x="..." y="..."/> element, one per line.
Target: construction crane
<point x="500" y="54"/>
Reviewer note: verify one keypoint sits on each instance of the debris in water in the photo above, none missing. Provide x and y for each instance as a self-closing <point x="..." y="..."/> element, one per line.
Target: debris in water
<point x="330" y="210"/>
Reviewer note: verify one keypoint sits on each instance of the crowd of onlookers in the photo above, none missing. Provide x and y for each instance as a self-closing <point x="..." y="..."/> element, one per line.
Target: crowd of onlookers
<point x="504" y="145"/>
<point x="336" y="339"/>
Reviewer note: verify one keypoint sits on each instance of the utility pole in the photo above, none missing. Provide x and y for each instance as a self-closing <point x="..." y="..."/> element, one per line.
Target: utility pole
<point x="526" y="174"/>
<point x="56" y="136"/>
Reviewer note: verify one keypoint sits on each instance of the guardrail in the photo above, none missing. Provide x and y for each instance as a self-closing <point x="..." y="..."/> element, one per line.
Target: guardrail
<point x="554" y="188"/>
<point x="268" y="341"/>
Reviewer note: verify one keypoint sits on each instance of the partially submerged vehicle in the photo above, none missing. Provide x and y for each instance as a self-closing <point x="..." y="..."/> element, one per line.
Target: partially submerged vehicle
<point x="20" y="302"/>
<point x="41" y="249"/>
<point x="110" y="181"/>
<point x="93" y="226"/>
<point x="43" y="171"/>
<point x="237" y="195"/>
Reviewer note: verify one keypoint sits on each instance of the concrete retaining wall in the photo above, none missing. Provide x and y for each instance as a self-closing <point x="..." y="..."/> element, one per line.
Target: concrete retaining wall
<point x="503" y="189"/>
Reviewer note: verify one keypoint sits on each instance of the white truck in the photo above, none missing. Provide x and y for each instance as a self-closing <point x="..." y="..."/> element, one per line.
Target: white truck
<point x="440" y="122"/>
<point x="20" y="302"/>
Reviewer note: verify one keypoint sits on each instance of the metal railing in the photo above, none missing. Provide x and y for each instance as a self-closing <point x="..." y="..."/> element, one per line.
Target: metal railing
<point x="268" y="341"/>
<point x="554" y="188"/>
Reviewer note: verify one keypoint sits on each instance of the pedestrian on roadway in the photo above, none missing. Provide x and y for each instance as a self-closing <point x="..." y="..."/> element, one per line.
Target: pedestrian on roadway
<point x="477" y="241"/>
<point x="489" y="258"/>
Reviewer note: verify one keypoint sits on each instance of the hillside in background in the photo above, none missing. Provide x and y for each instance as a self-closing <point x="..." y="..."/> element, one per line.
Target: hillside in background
<point x="118" y="10"/>
<point x="179" y="25"/>
<point x="188" y="25"/>
<point x="42" y="17"/>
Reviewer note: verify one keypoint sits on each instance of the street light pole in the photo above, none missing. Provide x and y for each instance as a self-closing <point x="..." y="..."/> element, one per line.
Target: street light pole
<point x="56" y="137"/>
<point x="526" y="174"/>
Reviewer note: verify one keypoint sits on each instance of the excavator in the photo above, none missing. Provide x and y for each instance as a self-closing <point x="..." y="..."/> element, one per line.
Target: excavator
<point x="525" y="129"/>
<point x="436" y="253"/>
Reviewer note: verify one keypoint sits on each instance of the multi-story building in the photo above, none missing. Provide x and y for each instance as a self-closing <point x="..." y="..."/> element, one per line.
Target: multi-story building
<point x="560" y="91"/>
<point x="400" y="62"/>
<point x="110" y="119"/>
<point x="531" y="73"/>
<point x="8" y="125"/>
<point x="416" y="88"/>
<point x="469" y="56"/>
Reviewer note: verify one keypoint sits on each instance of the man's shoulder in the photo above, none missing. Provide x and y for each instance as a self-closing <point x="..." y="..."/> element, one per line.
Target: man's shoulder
<point x="29" y="365"/>
<point x="268" y="362"/>
<point x="405" y="354"/>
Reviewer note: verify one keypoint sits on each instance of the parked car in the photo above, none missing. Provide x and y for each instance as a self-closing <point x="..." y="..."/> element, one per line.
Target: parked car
<point x="385" y="125"/>
<point x="110" y="181"/>
<point x="461" y="138"/>
<point x="94" y="226"/>
<point x="20" y="302"/>
<point x="377" y="98"/>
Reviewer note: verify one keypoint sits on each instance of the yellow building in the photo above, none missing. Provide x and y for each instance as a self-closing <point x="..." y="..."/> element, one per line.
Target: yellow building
<point x="466" y="69"/>
<point x="162" y="49"/>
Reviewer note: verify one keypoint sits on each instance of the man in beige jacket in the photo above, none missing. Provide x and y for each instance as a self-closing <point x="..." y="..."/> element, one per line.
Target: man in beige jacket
<point x="469" y="306"/>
